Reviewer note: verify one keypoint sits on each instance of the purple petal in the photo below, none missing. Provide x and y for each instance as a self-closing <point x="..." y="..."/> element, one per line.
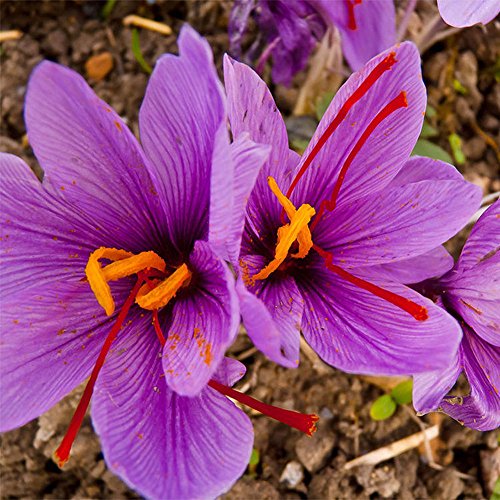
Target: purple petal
<point x="52" y="325"/>
<point x="272" y="320"/>
<point x="483" y="241"/>
<point x="420" y="168"/>
<point x="387" y="148"/>
<point x="375" y="28"/>
<point x="91" y="158"/>
<point x="430" y="388"/>
<point x="238" y="20"/>
<point x="292" y="30"/>
<point x="182" y="110"/>
<point x="204" y="323"/>
<point x="398" y="223"/>
<point x="162" y="444"/>
<point x="481" y="409"/>
<point x="475" y="295"/>
<point x="432" y="264"/>
<point x="359" y="332"/>
<point x="462" y="14"/>
<point x="234" y="170"/>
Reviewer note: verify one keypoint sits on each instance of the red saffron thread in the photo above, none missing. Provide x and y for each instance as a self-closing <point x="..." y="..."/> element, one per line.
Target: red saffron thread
<point x="300" y="421"/>
<point x="397" y="103"/>
<point x="351" y="18"/>
<point x="64" y="449"/>
<point x="386" y="64"/>
<point x="417" y="311"/>
<point x="303" y="422"/>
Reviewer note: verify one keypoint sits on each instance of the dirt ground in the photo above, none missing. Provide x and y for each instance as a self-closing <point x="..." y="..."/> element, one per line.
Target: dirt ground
<point x="291" y="466"/>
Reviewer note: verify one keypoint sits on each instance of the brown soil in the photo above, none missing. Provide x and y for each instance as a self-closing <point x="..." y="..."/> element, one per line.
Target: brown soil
<point x="71" y="33"/>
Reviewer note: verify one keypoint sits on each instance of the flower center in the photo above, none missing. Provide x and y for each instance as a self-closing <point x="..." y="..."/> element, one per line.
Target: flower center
<point x="297" y="230"/>
<point x="155" y="294"/>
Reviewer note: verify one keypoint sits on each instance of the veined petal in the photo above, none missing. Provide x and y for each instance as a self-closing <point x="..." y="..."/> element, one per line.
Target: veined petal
<point x="52" y="324"/>
<point x="462" y="14"/>
<point x="481" y="409"/>
<point x="359" y="332"/>
<point x="162" y="444"/>
<point x="397" y="223"/>
<point x="430" y="388"/>
<point x="91" y="158"/>
<point x="251" y="109"/>
<point x="433" y="264"/>
<point x="375" y="27"/>
<point x="483" y="241"/>
<point x="235" y="168"/>
<point x="386" y="149"/>
<point x="204" y="321"/>
<point x="182" y="110"/>
<point x="272" y="322"/>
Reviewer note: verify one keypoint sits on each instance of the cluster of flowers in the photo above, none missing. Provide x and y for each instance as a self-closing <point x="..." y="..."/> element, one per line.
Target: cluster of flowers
<point x="134" y="263"/>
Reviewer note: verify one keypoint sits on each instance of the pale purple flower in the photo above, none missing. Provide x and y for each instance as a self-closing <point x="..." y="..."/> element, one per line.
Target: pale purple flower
<point x="368" y="205"/>
<point x="162" y="429"/>
<point x="463" y="13"/>
<point x="290" y="29"/>
<point x="471" y="292"/>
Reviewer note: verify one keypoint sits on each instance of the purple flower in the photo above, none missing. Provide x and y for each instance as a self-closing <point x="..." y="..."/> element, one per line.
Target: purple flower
<point x="468" y="13"/>
<point x="471" y="293"/>
<point x="290" y="29"/>
<point x="136" y="227"/>
<point x="362" y="203"/>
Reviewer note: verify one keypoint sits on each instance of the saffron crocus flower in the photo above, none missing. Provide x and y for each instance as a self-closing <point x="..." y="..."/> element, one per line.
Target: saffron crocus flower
<point x="317" y="225"/>
<point x="136" y="228"/>
<point x="471" y="293"/>
<point x="290" y="30"/>
<point x="467" y="13"/>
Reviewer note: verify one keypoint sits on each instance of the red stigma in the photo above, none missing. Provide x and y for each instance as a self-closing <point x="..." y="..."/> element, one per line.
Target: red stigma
<point x="62" y="453"/>
<point x="386" y="64"/>
<point x="351" y="19"/>
<point x="398" y="102"/>
<point x="305" y="423"/>
<point x="417" y="311"/>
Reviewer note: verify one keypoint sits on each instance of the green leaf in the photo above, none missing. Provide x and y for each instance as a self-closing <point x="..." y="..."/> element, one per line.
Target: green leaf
<point x="456" y="148"/>
<point x="383" y="407"/>
<point x="428" y="131"/>
<point x="402" y="393"/>
<point x="430" y="112"/>
<point x="136" y="49"/>
<point x="496" y="491"/>
<point x="457" y="85"/>
<point x="108" y="7"/>
<point x="323" y="103"/>
<point x="254" y="461"/>
<point x="428" y="148"/>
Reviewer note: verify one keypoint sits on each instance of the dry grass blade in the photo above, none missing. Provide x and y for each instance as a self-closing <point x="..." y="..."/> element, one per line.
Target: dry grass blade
<point x="5" y="36"/>
<point x="394" y="449"/>
<point x="142" y="22"/>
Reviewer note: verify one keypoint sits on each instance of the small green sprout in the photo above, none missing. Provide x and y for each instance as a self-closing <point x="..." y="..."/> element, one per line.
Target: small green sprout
<point x="456" y="148"/>
<point x="136" y="49"/>
<point x="254" y="462"/>
<point x="385" y="406"/>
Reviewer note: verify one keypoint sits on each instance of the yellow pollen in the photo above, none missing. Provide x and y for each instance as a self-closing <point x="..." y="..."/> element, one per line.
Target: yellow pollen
<point x="165" y="291"/>
<point x="297" y="230"/>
